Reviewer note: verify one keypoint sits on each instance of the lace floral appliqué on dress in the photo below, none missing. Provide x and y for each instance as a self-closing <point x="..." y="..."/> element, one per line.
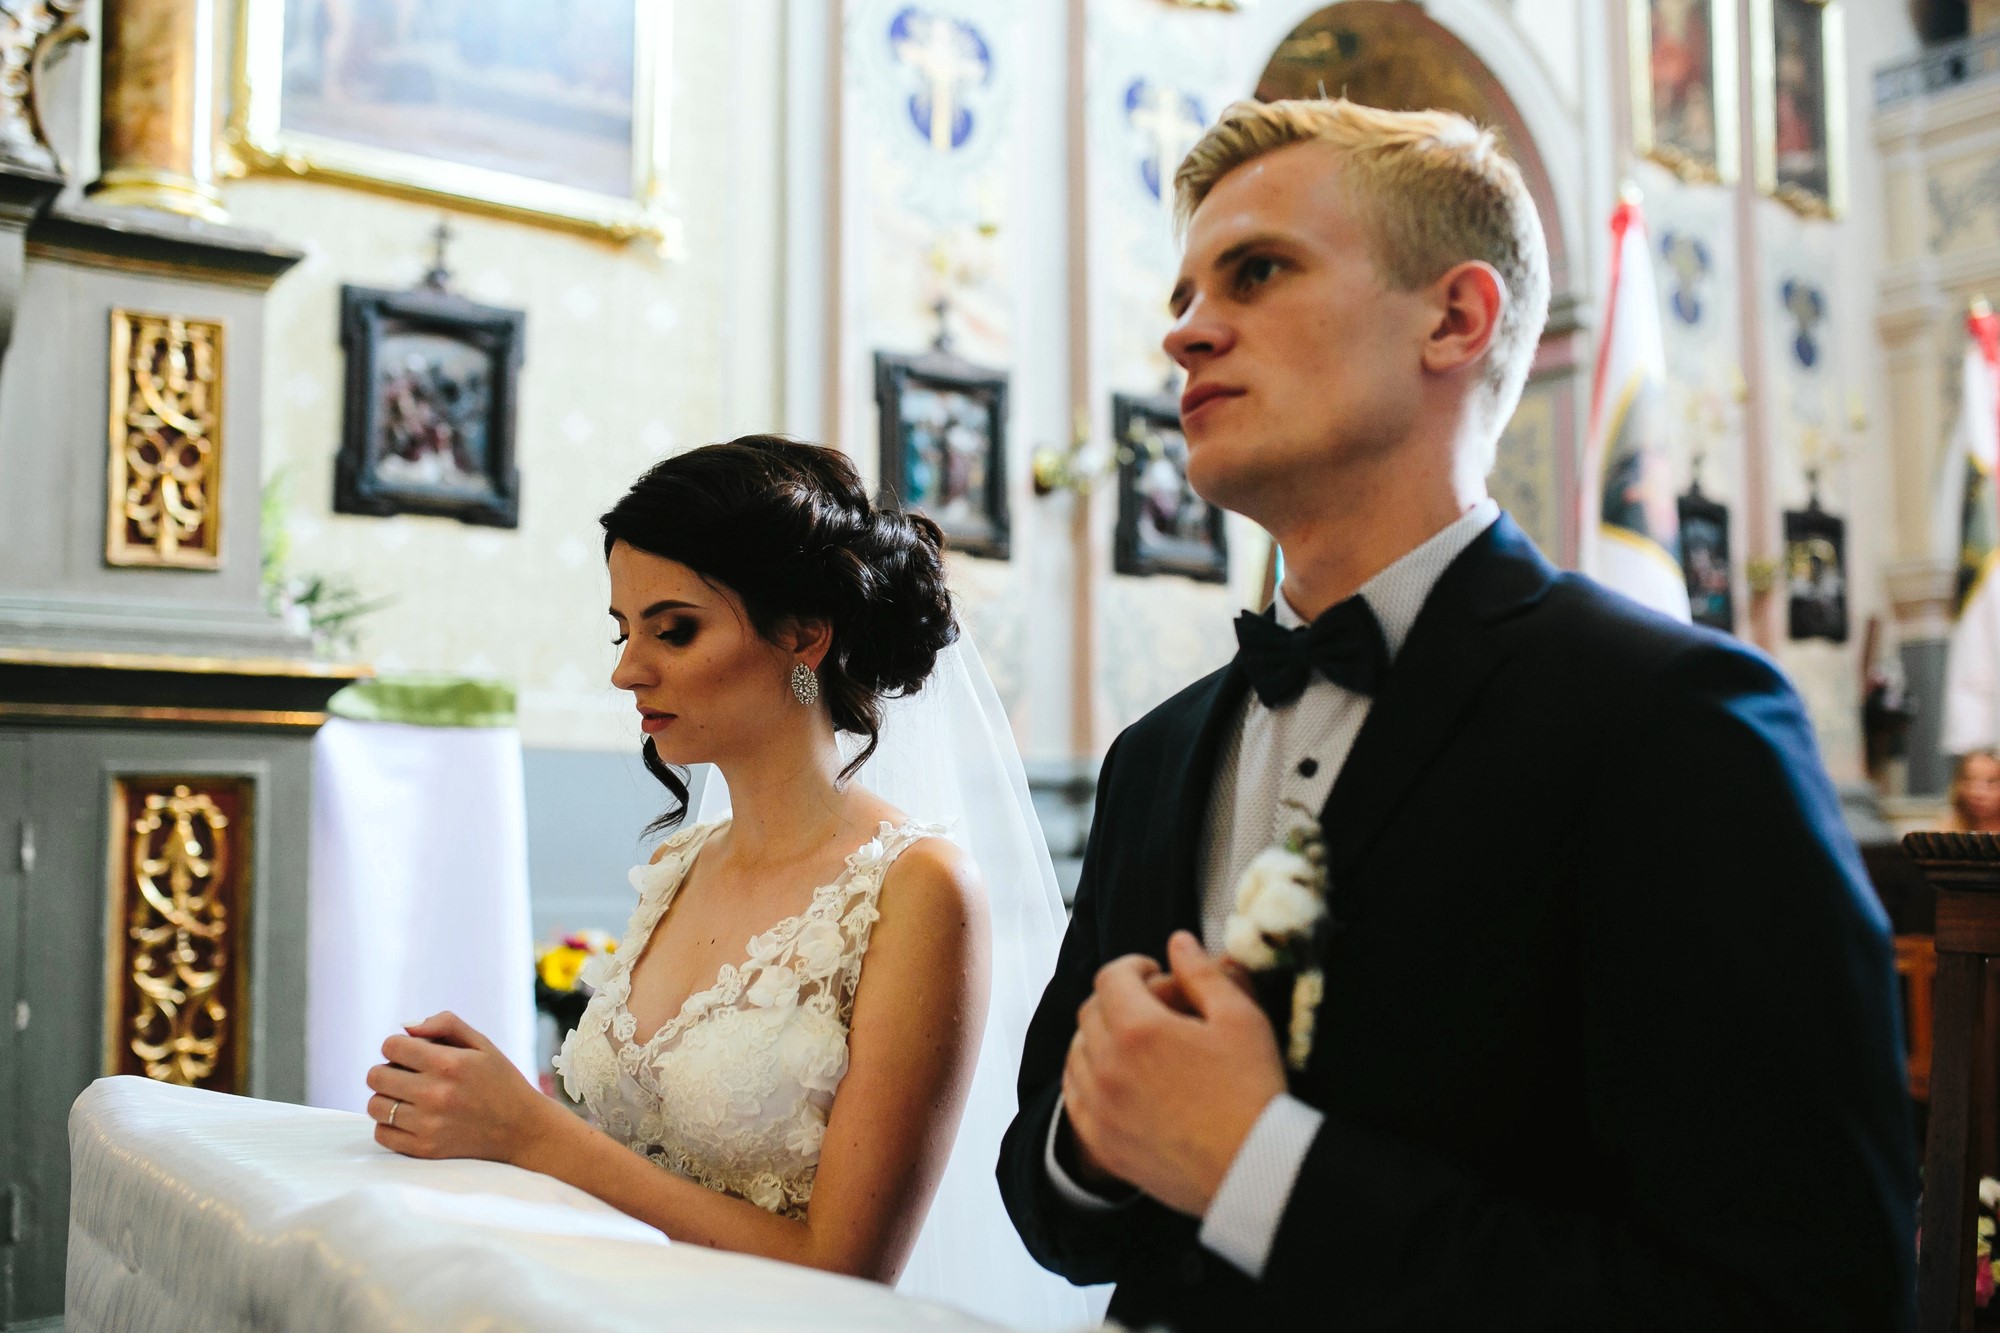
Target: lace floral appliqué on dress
<point x="733" y="1091"/>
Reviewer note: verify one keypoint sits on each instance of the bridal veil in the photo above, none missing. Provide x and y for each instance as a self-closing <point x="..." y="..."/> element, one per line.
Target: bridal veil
<point x="947" y="756"/>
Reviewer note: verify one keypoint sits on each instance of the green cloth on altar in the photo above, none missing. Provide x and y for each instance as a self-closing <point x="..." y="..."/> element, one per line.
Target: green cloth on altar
<point x="427" y="701"/>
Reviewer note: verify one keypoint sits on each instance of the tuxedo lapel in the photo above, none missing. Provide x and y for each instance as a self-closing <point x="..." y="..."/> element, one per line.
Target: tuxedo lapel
<point x="1451" y="650"/>
<point x="1174" y="834"/>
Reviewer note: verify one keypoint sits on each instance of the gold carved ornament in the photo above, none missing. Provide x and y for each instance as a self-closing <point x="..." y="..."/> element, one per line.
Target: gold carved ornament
<point x="165" y="496"/>
<point x="173" y="1014"/>
<point x="31" y="33"/>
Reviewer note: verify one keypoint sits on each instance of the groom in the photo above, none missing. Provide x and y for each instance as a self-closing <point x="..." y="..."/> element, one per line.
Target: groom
<point x="1609" y="1038"/>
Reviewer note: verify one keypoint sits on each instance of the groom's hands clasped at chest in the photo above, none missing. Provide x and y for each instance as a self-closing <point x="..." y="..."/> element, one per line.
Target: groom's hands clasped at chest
<point x="1167" y="1074"/>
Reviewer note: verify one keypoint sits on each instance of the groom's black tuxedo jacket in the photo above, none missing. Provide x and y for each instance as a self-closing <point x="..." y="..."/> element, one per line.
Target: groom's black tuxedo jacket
<point x="1610" y="1036"/>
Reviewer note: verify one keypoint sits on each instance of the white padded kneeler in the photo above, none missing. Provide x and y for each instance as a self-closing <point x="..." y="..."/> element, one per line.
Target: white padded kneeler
<point x="196" y="1210"/>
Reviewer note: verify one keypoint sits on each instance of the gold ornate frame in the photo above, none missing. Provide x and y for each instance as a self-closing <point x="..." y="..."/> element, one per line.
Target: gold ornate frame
<point x="1723" y="55"/>
<point x="180" y="415"/>
<point x="258" y="143"/>
<point x="1764" y="109"/>
<point x="211" y="910"/>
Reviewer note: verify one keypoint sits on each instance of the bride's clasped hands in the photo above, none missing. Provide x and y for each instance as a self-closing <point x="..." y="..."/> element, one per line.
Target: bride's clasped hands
<point x="444" y="1090"/>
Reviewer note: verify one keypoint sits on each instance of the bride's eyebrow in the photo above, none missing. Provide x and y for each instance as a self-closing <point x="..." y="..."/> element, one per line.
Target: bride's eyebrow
<point x="655" y="609"/>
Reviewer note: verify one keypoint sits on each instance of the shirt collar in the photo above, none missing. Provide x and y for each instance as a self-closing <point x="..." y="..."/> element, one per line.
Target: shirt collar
<point x="1398" y="593"/>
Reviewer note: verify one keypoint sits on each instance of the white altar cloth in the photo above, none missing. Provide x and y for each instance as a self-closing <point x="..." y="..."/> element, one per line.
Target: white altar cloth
<point x="195" y="1210"/>
<point x="418" y="895"/>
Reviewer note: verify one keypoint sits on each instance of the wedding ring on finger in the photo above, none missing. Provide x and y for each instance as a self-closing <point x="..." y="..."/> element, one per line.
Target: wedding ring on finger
<point x="394" y="1106"/>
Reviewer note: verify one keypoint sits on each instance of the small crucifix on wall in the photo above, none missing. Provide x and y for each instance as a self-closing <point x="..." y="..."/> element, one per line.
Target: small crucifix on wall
<point x="438" y="276"/>
<point x="951" y="57"/>
<point x="1170" y="121"/>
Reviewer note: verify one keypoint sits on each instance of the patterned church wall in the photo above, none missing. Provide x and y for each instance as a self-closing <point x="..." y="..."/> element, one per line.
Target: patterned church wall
<point x="628" y="358"/>
<point x="984" y="223"/>
<point x="1825" y="397"/>
<point x="1819" y="384"/>
<point x="1940" y="242"/>
<point x="1155" y="76"/>
<point x="1695" y="259"/>
<point x="1812" y="405"/>
<point x="1936" y="244"/>
<point x="932" y="212"/>
<point x="1961" y="187"/>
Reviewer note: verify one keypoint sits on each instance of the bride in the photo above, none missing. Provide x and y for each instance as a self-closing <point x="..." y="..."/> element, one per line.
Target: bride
<point x="798" y="1096"/>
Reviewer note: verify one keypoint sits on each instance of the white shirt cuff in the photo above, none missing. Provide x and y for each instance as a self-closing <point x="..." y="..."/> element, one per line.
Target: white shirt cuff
<point x="1242" y="1219"/>
<point x="1066" y="1189"/>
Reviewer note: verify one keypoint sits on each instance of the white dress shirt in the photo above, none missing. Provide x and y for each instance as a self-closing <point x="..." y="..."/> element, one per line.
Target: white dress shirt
<point x="1289" y="753"/>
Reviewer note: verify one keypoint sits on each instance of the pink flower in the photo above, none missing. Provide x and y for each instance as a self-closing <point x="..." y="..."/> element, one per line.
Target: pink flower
<point x="1982" y="1285"/>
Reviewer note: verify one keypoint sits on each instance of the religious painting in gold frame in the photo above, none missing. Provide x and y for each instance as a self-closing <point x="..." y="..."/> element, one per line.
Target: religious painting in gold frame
<point x="1798" y="64"/>
<point x="177" y="929"/>
<point x="546" y="113"/>
<point x="163" y="500"/>
<point x="1683" y="78"/>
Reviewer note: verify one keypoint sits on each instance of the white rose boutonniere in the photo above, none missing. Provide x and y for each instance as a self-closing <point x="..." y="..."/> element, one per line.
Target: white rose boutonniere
<point x="1278" y="902"/>
<point x="1280" y="910"/>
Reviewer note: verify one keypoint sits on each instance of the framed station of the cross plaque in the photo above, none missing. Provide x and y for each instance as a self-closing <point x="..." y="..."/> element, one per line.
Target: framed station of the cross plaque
<point x="1163" y="526"/>
<point x="943" y="436"/>
<point x="431" y="391"/>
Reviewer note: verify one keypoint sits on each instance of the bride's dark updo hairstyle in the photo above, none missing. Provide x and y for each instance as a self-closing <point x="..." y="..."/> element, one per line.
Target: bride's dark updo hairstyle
<point x="788" y="527"/>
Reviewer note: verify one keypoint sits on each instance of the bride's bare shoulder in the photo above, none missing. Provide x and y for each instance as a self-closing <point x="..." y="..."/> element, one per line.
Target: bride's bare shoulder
<point x="933" y="875"/>
<point x="931" y="938"/>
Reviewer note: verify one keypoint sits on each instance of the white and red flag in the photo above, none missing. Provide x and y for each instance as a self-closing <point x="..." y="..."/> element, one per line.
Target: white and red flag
<point x="1972" y="665"/>
<point x="1629" y="530"/>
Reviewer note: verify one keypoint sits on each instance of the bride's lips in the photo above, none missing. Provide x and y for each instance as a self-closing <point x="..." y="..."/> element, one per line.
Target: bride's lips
<point x="1198" y="396"/>
<point x="653" y="722"/>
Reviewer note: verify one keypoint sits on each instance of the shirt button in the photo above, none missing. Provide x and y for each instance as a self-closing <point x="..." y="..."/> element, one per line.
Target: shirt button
<point x="1308" y="767"/>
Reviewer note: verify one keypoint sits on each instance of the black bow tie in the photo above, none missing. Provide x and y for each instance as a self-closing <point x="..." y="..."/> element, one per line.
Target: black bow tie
<point x="1345" y="645"/>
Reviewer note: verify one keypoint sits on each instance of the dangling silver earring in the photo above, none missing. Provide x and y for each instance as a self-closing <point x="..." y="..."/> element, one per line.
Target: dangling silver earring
<point x="805" y="685"/>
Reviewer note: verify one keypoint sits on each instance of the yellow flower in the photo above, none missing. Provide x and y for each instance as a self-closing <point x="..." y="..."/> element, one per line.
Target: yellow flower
<point x="559" y="966"/>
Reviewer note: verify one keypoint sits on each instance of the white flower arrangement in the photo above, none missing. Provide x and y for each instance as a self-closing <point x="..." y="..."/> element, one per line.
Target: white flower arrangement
<point x="1280" y="909"/>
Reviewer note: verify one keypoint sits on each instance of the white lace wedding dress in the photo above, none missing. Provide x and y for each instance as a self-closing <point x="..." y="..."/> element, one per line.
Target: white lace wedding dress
<point x="733" y="1091"/>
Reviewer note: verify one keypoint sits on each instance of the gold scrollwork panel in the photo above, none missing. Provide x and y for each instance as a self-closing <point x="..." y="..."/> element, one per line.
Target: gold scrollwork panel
<point x="176" y="979"/>
<point x="164" y="505"/>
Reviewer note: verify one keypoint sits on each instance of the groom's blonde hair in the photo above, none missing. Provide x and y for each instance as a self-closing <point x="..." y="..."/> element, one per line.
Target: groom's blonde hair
<point x="1431" y="190"/>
